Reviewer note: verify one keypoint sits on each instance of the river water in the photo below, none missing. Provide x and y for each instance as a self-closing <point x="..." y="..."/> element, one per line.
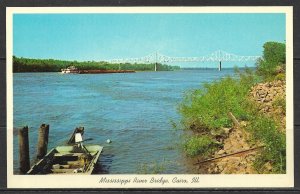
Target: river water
<point x="134" y="110"/>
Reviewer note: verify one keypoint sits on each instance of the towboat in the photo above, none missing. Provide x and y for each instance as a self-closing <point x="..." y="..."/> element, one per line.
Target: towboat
<point x="71" y="69"/>
<point x="69" y="159"/>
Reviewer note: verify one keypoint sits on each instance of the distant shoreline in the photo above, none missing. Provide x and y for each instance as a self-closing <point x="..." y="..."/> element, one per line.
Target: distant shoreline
<point x="139" y="71"/>
<point x="21" y="64"/>
<point x="212" y="68"/>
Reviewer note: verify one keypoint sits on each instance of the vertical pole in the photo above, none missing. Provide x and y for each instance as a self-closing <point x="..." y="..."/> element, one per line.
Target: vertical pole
<point x="119" y="66"/>
<point x="77" y="130"/>
<point x="24" y="150"/>
<point x="220" y="66"/>
<point x="155" y="67"/>
<point x="42" y="141"/>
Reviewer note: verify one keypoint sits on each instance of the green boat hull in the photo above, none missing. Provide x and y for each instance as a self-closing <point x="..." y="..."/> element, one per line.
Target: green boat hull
<point x="68" y="160"/>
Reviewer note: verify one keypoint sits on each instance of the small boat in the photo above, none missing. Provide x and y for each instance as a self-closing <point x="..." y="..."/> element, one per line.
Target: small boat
<point x="71" y="69"/>
<point x="69" y="159"/>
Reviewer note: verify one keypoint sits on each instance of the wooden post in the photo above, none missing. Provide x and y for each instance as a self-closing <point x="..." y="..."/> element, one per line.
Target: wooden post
<point x="42" y="141"/>
<point x="232" y="117"/>
<point x="24" y="150"/>
<point x="220" y="66"/>
<point x="237" y="124"/>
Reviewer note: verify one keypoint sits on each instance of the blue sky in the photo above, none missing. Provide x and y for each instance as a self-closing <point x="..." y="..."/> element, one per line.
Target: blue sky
<point x="97" y="37"/>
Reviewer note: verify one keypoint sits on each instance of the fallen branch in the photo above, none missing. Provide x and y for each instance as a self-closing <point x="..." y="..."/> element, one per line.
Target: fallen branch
<point x="232" y="117"/>
<point x="237" y="124"/>
<point x="227" y="155"/>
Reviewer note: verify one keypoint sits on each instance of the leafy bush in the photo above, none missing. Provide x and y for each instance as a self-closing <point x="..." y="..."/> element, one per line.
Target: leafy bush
<point x="265" y="130"/>
<point x="280" y="76"/>
<point x="203" y="145"/>
<point x="207" y="108"/>
<point x="273" y="56"/>
<point x="280" y="102"/>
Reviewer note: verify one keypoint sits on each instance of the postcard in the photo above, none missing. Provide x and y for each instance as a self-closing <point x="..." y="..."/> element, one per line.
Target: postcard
<point x="150" y="97"/>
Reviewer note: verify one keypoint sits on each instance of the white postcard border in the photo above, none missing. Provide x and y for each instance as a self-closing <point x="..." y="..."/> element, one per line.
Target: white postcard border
<point x="205" y="181"/>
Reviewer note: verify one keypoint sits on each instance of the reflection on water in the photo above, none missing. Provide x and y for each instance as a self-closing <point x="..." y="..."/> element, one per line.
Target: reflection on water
<point x="136" y="111"/>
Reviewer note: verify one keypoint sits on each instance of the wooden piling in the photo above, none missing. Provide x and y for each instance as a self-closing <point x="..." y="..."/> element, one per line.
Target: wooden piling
<point x="24" y="150"/>
<point x="42" y="141"/>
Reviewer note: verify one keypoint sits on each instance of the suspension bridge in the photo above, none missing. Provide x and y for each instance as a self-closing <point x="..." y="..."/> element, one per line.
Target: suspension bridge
<point x="217" y="56"/>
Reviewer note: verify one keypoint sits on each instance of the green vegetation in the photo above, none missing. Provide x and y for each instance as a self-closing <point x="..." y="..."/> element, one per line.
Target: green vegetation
<point x="203" y="145"/>
<point x="206" y="108"/>
<point x="273" y="61"/>
<point x="266" y="131"/>
<point x="51" y="65"/>
<point x="280" y="102"/>
<point x="205" y="112"/>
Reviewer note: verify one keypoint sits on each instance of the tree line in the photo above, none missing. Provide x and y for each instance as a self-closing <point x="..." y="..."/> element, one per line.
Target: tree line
<point x="21" y="64"/>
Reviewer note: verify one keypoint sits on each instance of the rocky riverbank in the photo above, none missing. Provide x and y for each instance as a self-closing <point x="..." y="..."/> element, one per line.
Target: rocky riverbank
<point x="270" y="99"/>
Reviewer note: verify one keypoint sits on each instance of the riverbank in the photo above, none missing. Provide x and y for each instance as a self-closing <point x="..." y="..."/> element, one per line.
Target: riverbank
<point x="269" y="98"/>
<point x="254" y="143"/>
<point x="238" y="123"/>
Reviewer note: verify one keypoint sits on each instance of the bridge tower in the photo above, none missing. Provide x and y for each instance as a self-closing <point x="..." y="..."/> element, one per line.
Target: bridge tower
<point x="155" y="67"/>
<point x="220" y="66"/>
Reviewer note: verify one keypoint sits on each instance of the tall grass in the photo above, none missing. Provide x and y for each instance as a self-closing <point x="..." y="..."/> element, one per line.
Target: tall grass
<point x="266" y="130"/>
<point x="200" y="145"/>
<point x="205" y="111"/>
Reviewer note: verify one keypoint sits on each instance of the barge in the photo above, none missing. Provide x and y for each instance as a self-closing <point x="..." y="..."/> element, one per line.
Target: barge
<point x="71" y="69"/>
<point x="105" y="71"/>
<point x="74" y="70"/>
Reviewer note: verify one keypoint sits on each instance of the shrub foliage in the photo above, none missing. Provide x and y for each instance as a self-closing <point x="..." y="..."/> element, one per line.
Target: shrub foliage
<point x="205" y="110"/>
<point x="273" y="60"/>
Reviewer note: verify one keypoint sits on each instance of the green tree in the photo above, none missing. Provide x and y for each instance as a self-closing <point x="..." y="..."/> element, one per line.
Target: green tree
<point x="273" y="60"/>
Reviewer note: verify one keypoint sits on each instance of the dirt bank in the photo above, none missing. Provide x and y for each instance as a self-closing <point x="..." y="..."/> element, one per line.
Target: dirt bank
<point x="269" y="97"/>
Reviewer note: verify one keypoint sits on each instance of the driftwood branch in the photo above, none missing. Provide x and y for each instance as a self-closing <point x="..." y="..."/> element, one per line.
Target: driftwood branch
<point x="232" y="117"/>
<point x="237" y="124"/>
<point x="227" y="155"/>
